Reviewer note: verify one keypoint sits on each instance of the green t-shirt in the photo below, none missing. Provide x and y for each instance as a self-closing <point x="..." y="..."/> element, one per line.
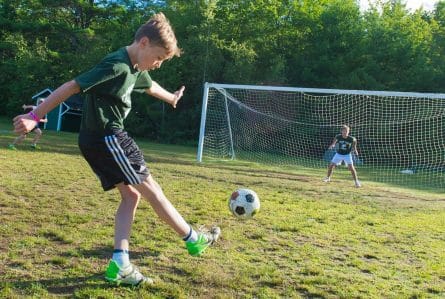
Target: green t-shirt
<point x="343" y="146"/>
<point x="108" y="87"/>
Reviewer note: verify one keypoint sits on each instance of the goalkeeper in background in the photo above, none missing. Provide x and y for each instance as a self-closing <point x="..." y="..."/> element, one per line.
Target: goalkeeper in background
<point x="344" y="145"/>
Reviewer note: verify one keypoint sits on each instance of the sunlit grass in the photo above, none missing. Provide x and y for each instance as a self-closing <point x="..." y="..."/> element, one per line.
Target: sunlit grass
<point x="309" y="239"/>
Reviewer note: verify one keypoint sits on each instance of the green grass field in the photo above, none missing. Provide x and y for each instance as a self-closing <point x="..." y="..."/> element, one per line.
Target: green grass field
<point x="310" y="240"/>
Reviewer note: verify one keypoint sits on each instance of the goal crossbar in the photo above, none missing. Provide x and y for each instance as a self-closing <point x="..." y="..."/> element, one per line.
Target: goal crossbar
<point x="329" y="91"/>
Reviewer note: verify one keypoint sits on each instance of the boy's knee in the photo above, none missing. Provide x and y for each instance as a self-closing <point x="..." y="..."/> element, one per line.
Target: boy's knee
<point x="130" y="194"/>
<point x="133" y="196"/>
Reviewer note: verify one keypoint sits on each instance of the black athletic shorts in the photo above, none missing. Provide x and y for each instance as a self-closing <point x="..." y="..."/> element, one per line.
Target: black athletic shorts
<point x="115" y="158"/>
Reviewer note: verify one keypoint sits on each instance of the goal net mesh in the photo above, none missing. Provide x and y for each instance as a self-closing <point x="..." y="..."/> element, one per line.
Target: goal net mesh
<point x="401" y="137"/>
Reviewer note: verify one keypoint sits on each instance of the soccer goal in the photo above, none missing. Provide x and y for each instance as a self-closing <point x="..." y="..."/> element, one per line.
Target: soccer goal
<point x="401" y="135"/>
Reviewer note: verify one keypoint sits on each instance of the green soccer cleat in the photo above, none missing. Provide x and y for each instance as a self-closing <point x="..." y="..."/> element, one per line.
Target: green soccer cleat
<point x="205" y="239"/>
<point x="12" y="147"/>
<point x="129" y="275"/>
<point x="35" y="146"/>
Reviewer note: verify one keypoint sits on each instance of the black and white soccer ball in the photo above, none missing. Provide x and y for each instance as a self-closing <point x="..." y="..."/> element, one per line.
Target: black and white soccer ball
<point x="244" y="203"/>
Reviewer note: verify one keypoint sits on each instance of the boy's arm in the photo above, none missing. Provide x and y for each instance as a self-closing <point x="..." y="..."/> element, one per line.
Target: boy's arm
<point x="26" y="122"/>
<point x="354" y="147"/>
<point x="159" y="92"/>
<point x="332" y="145"/>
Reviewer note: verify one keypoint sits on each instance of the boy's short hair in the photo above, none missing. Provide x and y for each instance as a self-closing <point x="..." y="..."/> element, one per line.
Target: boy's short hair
<point x="160" y="33"/>
<point x="345" y="127"/>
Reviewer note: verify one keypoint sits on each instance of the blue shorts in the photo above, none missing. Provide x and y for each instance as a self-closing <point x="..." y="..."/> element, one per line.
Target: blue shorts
<point x="338" y="158"/>
<point x="114" y="158"/>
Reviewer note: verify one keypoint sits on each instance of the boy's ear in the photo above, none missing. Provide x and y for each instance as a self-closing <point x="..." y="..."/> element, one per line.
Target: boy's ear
<point x="144" y="41"/>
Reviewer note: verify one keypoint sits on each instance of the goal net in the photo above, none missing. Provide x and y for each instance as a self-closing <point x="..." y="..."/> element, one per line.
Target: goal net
<point x="401" y="136"/>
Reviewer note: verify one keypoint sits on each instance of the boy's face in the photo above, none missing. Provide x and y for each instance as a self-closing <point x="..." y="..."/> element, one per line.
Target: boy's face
<point x="150" y="57"/>
<point x="344" y="132"/>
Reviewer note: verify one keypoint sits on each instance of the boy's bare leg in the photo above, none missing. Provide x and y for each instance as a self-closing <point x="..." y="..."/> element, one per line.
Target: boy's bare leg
<point x="354" y="176"/>
<point x="151" y="190"/>
<point x="353" y="172"/>
<point x="19" y="139"/>
<point x="196" y="242"/>
<point x="125" y="215"/>
<point x="330" y="169"/>
<point x="120" y="270"/>
<point x="38" y="134"/>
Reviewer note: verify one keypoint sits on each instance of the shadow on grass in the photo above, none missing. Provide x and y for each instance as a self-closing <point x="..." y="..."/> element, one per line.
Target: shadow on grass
<point x="314" y="174"/>
<point x="105" y="253"/>
<point x="423" y="181"/>
<point x="61" y="286"/>
<point x="68" y="285"/>
<point x="66" y="148"/>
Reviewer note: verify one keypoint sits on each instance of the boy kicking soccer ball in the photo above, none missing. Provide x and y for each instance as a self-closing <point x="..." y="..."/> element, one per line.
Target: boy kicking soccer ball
<point x="344" y="145"/>
<point x="112" y="154"/>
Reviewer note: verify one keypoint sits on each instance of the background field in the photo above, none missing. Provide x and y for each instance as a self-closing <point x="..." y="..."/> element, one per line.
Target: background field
<point x="309" y="239"/>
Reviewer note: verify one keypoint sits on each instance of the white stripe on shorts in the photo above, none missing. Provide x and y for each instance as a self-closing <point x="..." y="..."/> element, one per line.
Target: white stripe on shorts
<point x="121" y="160"/>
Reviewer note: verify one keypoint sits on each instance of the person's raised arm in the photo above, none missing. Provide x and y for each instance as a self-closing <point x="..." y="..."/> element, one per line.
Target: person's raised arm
<point x="159" y="92"/>
<point x="26" y="122"/>
<point x="354" y="147"/>
<point x="332" y="145"/>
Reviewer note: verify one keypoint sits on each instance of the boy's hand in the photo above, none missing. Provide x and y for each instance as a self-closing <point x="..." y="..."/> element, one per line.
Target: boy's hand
<point x="177" y="96"/>
<point x="23" y="123"/>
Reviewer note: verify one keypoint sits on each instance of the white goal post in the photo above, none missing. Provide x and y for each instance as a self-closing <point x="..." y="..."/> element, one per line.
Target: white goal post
<point x="401" y="135"/>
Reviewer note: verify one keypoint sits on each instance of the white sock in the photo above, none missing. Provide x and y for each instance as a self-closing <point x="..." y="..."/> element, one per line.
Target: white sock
<point x="192" y="236"/>
<point x="121" y="257"/>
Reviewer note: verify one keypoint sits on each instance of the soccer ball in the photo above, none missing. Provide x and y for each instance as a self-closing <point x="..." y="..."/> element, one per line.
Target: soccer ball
<point x="244" y="203"/>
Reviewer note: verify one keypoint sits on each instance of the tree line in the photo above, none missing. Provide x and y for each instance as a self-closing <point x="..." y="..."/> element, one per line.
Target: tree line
<point x="310" y="43"/>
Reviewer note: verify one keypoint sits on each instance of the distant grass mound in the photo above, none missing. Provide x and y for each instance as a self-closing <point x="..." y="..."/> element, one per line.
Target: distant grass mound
<point x="309" y="239"/>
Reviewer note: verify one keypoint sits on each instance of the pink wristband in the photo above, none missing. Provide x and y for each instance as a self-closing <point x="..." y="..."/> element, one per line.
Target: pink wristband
<point x="34" y="116"/>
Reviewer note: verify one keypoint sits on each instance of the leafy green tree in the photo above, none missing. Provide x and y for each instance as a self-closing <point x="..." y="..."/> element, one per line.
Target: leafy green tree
<point x="325" y="43"/>
<point x="438" y="48"/>
<point x="398" y="45"/>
